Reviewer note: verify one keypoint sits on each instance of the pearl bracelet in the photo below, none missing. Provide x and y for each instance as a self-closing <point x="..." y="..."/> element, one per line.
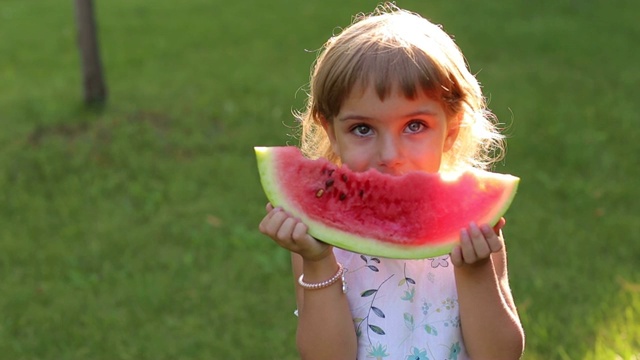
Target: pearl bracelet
<point x="321" y="285"/>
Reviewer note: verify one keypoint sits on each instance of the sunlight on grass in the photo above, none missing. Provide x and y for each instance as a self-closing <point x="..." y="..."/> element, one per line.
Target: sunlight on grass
<point x="616" y="335"/>
<point x="619" y="336"/>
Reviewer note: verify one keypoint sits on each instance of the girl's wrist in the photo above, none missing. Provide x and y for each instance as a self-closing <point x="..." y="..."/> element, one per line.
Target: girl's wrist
<point x="327" y="252"/>
<point x="338" y="276"/>
<point x="479" y="269"/>
<point x="319" y="269"/>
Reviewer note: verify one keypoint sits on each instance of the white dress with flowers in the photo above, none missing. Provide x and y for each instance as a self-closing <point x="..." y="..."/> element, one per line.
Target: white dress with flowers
<point x="403" y="309"/>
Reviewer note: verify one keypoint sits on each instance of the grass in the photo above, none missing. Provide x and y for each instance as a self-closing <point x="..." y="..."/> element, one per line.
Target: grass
<point x="130" y="232"/>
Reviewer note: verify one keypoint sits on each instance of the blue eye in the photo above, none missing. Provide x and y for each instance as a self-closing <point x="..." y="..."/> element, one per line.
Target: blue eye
<point x="361" y="130"/>
<point x="415" y="126"/>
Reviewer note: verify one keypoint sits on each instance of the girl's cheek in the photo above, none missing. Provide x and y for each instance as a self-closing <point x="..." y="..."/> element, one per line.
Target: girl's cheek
<point x="356" y="162"/>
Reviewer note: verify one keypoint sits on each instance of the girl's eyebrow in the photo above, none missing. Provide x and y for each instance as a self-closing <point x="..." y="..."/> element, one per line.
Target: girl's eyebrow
<point x="353" y="117"/>
<point x="421" y="112"/>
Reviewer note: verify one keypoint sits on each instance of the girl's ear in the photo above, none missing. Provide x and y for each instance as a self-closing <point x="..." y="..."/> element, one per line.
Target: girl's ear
<point x="453" y="128"/>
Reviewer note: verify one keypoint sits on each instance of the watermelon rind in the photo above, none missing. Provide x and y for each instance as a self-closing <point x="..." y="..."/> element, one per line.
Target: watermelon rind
<point x="369" y="245"/>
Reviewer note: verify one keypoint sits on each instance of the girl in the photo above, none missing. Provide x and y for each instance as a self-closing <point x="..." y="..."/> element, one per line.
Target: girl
<point x="392" y="92"/>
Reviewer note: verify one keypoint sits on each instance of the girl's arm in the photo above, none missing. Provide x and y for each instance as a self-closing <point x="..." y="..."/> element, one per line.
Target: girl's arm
<point x="490" y="324"/>
<point x="325" y="326"/>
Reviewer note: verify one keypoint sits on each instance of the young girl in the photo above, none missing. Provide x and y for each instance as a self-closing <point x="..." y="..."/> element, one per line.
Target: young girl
<point x="392" y="92"/>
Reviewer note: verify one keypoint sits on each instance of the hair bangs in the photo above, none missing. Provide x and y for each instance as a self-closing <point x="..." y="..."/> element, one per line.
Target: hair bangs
<point x="385" y="67"/>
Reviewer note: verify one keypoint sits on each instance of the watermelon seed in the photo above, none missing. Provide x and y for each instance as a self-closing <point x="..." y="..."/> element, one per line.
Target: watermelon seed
<point x="344" y="177"/>
<point x="343" y="196"/>
<point x="329" y="182"/>
<point x="319" y="193"/>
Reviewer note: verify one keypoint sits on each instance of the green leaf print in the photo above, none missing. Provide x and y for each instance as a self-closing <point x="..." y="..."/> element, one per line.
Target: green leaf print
<point x="454" y="351"/>
<point x="377" y="351"/>
<point x="409" y="322"/>
<point x="378" y="312"/>
<point x="431" y="330"/>
<point x="368" y="292"/>
<point x="376" y="329"/>
<point x="408" y="294"/>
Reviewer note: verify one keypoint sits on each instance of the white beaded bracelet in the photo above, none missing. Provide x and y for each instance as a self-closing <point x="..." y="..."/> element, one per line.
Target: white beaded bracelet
<point x="321" y="285"/>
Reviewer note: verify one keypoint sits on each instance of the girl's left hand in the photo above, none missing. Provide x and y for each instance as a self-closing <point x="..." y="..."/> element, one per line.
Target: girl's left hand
<point x="477" y="243"/>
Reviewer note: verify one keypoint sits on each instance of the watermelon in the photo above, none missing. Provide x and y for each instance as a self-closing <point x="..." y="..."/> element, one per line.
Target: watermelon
<point x="412" y="216"/>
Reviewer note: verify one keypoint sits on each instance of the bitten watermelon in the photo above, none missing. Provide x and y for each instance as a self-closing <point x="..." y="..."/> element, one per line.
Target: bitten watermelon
<point x="416" y="215"/>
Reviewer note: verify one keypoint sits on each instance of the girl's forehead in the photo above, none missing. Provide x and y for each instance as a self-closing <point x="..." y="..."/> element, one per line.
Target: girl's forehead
<point x="410" y="91"/>
<point x="382" y="89"/>
<point x="366" y="102"/>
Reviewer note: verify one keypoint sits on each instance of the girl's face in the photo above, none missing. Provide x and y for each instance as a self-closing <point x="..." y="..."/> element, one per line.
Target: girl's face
<point x="394" y="136"/>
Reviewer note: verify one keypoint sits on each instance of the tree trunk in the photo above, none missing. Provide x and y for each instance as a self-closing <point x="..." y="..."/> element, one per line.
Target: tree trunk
<point x="94" y="86"/>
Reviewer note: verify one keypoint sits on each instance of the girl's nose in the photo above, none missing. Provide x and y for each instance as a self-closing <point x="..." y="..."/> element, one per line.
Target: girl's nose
<point x="390" y="152"/>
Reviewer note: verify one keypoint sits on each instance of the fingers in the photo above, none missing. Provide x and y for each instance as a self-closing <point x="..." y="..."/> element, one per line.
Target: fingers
<point x="285" y="231"/>
<point x="268" y="225"/>
<point x="493" y="238"/>
<point x="477" y="243"/>
<point x="291" y="234"/>
<point x="498" y="227"/>
<point x="456" y="256"/>
<point x="277" y="225"/>
<point x="299" y="232"/>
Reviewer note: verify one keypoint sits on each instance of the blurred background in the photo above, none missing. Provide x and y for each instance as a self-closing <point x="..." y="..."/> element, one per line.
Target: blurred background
<point x="128" y="230"/>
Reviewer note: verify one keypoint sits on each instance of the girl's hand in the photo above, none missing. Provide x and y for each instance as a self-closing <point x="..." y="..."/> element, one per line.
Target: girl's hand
<point x="291" y="234"/>
<point x="477" y="243"/>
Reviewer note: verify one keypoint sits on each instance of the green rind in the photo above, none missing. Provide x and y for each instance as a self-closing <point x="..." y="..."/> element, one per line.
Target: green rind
<point x="359" y="244"/>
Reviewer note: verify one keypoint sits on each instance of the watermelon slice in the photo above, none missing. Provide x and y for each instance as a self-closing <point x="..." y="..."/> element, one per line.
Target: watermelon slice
<point x="416" y="215"/>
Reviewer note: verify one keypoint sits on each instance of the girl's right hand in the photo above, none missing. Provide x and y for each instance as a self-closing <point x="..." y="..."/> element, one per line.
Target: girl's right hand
<point x="291" y="234"/>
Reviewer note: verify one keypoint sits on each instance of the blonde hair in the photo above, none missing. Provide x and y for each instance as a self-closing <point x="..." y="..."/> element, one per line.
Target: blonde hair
<point x="394" y="47"/>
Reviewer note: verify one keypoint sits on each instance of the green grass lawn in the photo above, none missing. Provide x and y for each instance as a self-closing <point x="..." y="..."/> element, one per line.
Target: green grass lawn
<point x="130" y="231"/>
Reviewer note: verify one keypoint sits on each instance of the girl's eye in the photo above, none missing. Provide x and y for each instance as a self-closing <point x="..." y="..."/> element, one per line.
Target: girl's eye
<point x="415" y="126"/>
<point x="361" y="130"/>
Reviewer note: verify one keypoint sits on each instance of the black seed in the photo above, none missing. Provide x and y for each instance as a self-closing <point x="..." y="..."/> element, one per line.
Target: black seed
<point x="343" y="196"/>
<point x="329" y="182"/>
<point x="344" y="178"/>
<point x="319" y="193"/>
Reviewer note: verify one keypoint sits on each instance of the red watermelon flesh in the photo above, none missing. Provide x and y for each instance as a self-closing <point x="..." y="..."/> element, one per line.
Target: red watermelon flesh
<point x="416" y="215"/>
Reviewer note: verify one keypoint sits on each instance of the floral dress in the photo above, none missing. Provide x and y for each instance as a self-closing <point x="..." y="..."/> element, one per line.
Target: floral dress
<point x="403" y="309"/>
